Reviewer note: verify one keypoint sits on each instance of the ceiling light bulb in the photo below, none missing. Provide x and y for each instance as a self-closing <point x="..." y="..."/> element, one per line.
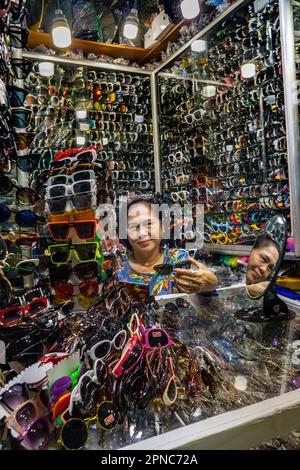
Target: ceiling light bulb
<point x="248" y="71"/>
<point x="46" y="69"/>
<point x="199" y="45"/>
<point x="131" y="26"/>
<point x="61" y="33"/>
<point x="190" y="9"/>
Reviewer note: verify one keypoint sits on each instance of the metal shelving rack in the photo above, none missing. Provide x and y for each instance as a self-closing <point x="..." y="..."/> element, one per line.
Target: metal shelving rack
<point x="291" y="111"/>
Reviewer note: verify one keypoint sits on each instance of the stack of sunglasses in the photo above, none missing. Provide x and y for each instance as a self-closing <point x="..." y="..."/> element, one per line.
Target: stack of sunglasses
<point x="233" y="159"/>
<point x="83" y="107"/>
<point x="132" y="368"/>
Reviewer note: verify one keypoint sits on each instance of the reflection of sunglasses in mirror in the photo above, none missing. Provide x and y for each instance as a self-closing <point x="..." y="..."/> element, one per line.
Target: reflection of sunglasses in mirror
<point x="167" y="269"/>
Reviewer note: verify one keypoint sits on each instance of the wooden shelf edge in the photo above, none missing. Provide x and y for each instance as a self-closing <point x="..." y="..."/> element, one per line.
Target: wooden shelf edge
<point x="134" y="54"/>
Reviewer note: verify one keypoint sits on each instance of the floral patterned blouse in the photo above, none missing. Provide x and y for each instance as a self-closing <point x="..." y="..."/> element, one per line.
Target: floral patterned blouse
<point x="158" y="284"/>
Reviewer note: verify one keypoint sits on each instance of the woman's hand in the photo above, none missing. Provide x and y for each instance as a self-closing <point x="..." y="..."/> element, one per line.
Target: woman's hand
<point x="257" y="290"/>
<point x="192" y="282"/>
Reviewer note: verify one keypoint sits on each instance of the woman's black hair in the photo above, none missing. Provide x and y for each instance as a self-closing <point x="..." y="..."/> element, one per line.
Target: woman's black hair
<point x="148" y="199"/>
<point x="264" y="241"/>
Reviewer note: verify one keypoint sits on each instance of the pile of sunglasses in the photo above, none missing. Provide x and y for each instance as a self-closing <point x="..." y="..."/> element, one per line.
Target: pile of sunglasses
<point x="79" y="106"/>
<point x="124" y="365"/>
<point x="233" y="158"/>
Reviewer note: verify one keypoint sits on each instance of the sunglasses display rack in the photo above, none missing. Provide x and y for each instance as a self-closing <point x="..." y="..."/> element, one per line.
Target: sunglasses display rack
<point x="83" y="107"/>
<point x="222" y="126"/>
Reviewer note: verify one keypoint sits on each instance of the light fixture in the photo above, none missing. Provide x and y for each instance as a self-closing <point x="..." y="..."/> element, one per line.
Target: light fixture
<point x="46" y="69"/>
<point x="209" y="91"/>
<point x="131" y="26"/>
<point x="240" y="383"/>
<point x="190" y="9"/>
<point x="80" y="139"/>
<point x="199" y="45"/>
<point x="81" y="113"/>
<point x="61" y="33"/>
<point x="248" y="71"/>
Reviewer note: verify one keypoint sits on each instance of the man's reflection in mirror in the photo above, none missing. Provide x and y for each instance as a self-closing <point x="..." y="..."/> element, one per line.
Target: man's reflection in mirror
<point x="261" y="265"/>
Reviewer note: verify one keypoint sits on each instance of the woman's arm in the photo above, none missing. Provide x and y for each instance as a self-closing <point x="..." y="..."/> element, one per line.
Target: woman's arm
<point x="194" y="281"/>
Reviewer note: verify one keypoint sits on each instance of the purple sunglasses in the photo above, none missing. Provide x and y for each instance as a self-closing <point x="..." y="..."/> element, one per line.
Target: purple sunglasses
<point x="37" y="433"/>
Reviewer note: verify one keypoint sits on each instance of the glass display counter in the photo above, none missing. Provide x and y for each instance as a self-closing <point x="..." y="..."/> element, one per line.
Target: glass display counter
<point x="250" y="374"/>
<point x="251" y="365"/>
<point x="223" y="109"/>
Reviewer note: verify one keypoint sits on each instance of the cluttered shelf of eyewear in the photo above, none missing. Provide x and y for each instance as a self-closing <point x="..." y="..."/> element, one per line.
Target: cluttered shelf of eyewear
<point x="135" y="54"/>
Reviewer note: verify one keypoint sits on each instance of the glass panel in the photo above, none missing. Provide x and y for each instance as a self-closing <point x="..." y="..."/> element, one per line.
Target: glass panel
<point x="78" y="107"/>
<point x="222" y="124"/>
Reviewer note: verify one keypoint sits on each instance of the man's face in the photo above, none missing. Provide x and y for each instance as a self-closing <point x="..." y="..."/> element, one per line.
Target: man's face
<point x="261" y="263"/>
<point x="144" y="229"/>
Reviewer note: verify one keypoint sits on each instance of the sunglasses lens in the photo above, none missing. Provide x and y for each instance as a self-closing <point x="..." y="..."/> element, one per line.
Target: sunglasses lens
<point x="157" y="337"/>
<point x="171" y="307"/>
<point x="101" y="371"/>
<point x="60" y="254"/>
<point x="86" y="271"/>
<point x="82" y="201"/>
<point x="86" y="230"/>
<point x="38" y="434"/>
<point x="28" y="163"/>
<point x="163" y="269"/>
<point x="102" y="350"/>
<point x="4" y="213"/>
<point x="37" y="307"/>
<point x="87" y="252"/>
<point x="89" y="289"/>
<point x="26" y="268"/>
<point x="182" y="303"/>
<point x="12" y="315"/>
<point x="27" y="196"/>
<point x="74" y="434"/>
<point x="57" y="205"/>
<point x="59" y="231"/>
<point x="5" y="184"/>
<point x="133" y="357"/>
<point x="14" y="396"/>
<point x="26" y="218"/>
<point x="63" y="290"/>
<point x="107" y="415"/>
<point x="25" y="415"/>
<point x="120" y="340"/>
<point x="82" y="187"/>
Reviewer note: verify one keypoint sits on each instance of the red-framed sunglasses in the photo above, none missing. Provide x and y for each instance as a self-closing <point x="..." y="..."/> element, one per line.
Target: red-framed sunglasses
<point x="12" y="315"/>
<point x="131" y="355"/>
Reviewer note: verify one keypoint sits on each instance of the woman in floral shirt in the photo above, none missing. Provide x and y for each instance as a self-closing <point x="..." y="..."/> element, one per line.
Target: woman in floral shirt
<point x="144" y="244"/>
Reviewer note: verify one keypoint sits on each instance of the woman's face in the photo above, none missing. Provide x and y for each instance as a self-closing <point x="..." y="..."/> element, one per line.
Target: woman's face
<point x="262" y="262"/>
<point x="144" y="228"/>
